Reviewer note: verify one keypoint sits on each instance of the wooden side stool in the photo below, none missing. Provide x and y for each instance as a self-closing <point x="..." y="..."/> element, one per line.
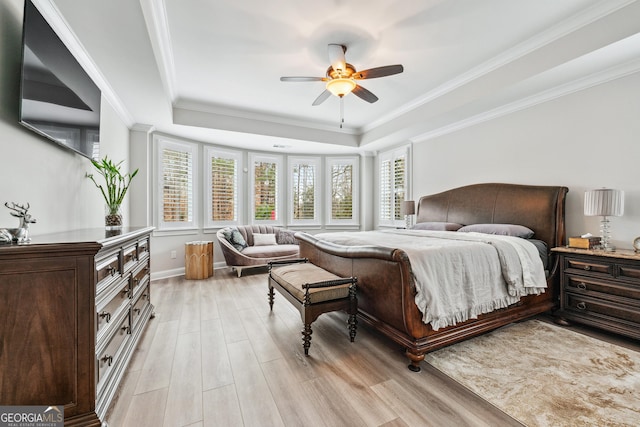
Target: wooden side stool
<point x="313" y="291"/>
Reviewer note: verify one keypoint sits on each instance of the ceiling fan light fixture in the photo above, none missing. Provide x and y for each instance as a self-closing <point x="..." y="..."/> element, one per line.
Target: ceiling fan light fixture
<point x="341" y="86"/>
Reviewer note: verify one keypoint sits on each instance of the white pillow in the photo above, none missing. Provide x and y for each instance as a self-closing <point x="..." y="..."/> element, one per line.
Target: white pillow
<point x="264" y="239"/>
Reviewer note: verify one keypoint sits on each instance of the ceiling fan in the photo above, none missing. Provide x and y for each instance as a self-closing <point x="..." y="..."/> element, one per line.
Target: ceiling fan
<point x="341" y="78"/>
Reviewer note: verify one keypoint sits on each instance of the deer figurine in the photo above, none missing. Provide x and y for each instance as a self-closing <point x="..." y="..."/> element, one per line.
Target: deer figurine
<point x="20" y="234"/>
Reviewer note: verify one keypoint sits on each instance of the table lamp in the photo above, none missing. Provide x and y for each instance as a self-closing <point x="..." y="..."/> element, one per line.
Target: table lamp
<point x="408" y="208"/>
<point x="604" y="202"/>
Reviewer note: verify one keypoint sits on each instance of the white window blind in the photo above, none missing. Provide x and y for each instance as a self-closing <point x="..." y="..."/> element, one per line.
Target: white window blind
<point x="393" y="176"/>
<point x="386" y="192"/>
<point x="342" y="186"/>
<point x="304" y="191"/>
<point x="223" y="196"/>
<point x="265" y="190"/>
<point x="175" y="195"/>
<point x="304" y="180"/>
<point x="341" y="191"/>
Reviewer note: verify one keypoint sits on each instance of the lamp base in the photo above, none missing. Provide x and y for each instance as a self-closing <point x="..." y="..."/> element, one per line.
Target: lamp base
<point x="605" y="230"/>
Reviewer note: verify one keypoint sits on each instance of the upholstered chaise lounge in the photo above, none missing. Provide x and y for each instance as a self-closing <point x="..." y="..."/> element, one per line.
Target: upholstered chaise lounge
<point x="251" y="246"/>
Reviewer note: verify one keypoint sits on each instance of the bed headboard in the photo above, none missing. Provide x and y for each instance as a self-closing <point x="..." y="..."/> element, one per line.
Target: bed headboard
<point x="541" y="208"/>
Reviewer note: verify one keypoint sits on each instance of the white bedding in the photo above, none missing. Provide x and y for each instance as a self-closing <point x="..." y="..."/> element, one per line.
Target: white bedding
<point x="459" y="275"/>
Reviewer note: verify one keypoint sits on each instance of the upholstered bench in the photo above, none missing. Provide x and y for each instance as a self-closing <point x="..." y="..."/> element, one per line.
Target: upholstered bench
<point x="313" y="291"/>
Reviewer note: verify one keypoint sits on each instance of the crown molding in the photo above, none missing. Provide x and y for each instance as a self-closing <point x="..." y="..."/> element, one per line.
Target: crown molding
<point x="155" y="16"/>
<point x="574" y="23"/>
<point x="605" y="76"/>
<point x="61" y="27"/>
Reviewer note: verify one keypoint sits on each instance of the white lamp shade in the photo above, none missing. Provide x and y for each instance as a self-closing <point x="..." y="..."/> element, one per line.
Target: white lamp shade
<point x="604" y="202"/>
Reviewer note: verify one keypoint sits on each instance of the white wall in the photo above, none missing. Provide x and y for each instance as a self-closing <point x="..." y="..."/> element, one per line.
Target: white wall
<point x="586" y="140"/>
<point x="34" y="170"/>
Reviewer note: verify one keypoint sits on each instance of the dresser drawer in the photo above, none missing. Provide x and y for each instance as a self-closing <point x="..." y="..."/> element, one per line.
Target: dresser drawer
<point x="109" y="356"/>
<point x="138" y="307"/>
<point x="110" y="307"/>
<point x="594" y="307"/>
<point x="588" y="266"/>
<point x="581" y="284"/>
<point x="139" y="278"/>
<point x="129" y="257"/>
<point x="143" y="248"/>
<point x="107" y="270"/>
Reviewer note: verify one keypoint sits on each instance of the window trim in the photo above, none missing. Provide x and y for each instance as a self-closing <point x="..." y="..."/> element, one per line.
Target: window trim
<point x="161" y="143"/>
<point x="280" y="211"/>
<point x="354" y="161"/>
<point x="211" y="151"/>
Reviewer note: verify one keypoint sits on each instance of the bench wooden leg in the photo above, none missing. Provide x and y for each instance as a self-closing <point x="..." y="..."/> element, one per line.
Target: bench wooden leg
<point x="353" y="323"/>
<point x="306" y="338"/>
<point x="270" y="297"/>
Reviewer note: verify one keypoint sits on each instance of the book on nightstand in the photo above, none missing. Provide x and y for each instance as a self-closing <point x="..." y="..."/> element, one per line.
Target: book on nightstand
<point x="584" y="242"/>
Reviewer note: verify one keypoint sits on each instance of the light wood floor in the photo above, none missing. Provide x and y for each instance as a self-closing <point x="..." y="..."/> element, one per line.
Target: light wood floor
<point x="215" y="355"/>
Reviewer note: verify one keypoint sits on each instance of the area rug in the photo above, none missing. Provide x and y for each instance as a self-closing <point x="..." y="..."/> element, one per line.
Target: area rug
<point x="545" y="375"/>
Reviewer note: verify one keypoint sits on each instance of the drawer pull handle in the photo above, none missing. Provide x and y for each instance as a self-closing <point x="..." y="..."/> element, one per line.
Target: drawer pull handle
<point x="125" y="329"/>
<point x="581" y="305"/>
<point x="106" y="315"/>
<point x="107" y="359"/>
<point x="145" y="296"/>
<point x="136" y="281"/>
<point x="582" y="286"/>
<point x="136" y="310"/>
<point x="111" y="270"/>
<point x="587" y="267"/>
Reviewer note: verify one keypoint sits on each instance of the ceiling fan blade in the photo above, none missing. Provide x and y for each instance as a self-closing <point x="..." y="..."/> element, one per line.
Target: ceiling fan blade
<point x="321" y="98"/>
<point x="336" y="57"/>
<point x="365" y="94"/>
<point x="372" y="73"/>
<point x="302" y="79"/>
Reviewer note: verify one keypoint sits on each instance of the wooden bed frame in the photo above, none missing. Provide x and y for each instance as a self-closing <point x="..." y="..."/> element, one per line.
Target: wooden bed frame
<point x="386" y="288"/>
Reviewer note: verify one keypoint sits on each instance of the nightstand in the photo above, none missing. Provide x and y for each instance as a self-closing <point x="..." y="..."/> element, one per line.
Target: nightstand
<point x="600" y="289"/>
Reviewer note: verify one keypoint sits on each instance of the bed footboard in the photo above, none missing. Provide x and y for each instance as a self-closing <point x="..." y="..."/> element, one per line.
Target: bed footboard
<point x="386" y="293"/>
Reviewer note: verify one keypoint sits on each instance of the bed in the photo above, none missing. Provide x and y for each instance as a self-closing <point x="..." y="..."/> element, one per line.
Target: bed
<point x="386" y="280"/>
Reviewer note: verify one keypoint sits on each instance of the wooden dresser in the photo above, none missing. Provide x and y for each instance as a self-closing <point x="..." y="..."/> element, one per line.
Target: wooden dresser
<point x="73" y="306"/>
<point x="600" y="289"/>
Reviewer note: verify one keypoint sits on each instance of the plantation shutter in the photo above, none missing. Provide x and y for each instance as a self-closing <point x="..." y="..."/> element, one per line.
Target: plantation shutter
<point x="399" y="185"/>
<point x="177" y="188"/>
<point x="341" y="191"/>
<point x="393" y="186"/>
<point x="386" y="179"/>
<point x="265" y="190"/>
<point x="224" y="189"/>
<point x="304" y="203"/>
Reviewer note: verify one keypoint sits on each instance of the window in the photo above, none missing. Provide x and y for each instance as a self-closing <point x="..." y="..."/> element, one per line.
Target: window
<point x="176" y="186"/>
<point x="394" y="183"/>
<point x="343" y="183"/>
<point x="265" y="181"/>
<point x="222" y="194"/>
<point x="304" y="190"/>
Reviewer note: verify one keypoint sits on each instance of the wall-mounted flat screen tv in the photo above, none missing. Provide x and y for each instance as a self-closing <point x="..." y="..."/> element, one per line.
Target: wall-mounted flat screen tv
<point x="58" y="99"/>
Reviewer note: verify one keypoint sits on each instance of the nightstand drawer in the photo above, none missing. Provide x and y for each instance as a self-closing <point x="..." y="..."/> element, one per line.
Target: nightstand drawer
<point x="629" y="272"/>
<point x="580" y="284"/>
<point x="589" y="265"/>
<point x="591" y="306"/>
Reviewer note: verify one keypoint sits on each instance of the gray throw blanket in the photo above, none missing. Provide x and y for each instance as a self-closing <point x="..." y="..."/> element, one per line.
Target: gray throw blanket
<point x="459" y="275"/>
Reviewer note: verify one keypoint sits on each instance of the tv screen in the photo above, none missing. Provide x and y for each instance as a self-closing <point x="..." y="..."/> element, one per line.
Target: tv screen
<point x="58" y="99"/>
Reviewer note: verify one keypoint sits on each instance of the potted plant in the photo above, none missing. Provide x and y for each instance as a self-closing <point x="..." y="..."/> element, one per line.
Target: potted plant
<point x="116" y="186"/>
